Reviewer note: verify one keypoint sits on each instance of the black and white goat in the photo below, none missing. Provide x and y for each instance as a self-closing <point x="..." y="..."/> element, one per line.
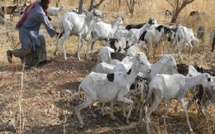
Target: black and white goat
<point x="153" y="36"/>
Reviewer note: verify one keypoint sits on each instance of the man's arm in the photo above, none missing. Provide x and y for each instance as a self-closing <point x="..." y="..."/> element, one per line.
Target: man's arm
<point x="48" y="26"/>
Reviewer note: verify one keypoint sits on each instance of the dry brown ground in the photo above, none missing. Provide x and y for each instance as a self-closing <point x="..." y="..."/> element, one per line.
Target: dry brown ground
<point x="43" y="102"/>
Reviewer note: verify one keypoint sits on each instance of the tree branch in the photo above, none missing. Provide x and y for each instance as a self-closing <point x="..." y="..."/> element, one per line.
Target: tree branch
<point x="100" y="2"/>
<point x="178" y="6"/>
<point x="168" y="1"/>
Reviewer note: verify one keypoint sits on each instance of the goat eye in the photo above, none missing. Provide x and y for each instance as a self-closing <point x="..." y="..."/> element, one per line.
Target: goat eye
<point x="209" y="79"/>
<point x="142" y="63"/>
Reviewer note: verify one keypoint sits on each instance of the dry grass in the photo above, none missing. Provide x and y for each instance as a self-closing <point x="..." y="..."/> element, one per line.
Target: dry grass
<point x="41" y="100"/>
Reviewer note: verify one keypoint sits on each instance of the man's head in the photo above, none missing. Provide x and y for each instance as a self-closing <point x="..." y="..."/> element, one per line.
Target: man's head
<point x="45" y="3"/>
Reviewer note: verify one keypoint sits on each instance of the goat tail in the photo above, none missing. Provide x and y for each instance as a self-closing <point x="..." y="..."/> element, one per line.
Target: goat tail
<point x="58" y="37"/>
<point x="150" y="38"/>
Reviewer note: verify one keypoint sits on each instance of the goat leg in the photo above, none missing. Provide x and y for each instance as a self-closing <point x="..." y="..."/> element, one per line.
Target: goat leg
<point x="186" y="113"/>
<point x="111" y="111"/>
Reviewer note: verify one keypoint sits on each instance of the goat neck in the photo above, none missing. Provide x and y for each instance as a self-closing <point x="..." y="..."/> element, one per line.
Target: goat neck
<point x="131" y="75"/>
<point x="115" y="27"/>
<point x="89" y="23"/>
<point x="90" y="19"/>
<point x="156" y="69"/>
<point x="193" y="81"/>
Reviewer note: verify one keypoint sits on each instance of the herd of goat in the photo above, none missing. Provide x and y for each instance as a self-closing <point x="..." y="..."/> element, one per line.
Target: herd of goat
<point x="113" y="82"/>
<point x="18" y="10"/>
<point x="125" y="71"/>
<point x="132" y="37"/>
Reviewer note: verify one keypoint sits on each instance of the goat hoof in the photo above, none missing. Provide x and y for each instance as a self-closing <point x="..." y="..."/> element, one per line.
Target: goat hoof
<point x="113" y="117"/>
<point x="139" y="123"/>
<point x="127" y="121"/>
<point x="102" y="114"/>
<point x="81" y="126"/>
<point x="94" y="116"/>
<point x="191" y="130"/>
<point x="124" y="119"/>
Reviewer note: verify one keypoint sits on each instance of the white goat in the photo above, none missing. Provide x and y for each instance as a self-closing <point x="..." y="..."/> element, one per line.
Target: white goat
<point x="173" y="87"/>
<point x="203" y="97"/>
<point x="54" y="11"/>
<point x="105" y="54"/>
<point x="103" y="31"/>
<point x="79" y="25"/>
<point x="184" y="35"/>
<point x="110" y="87"/>
<point x="122" y="33"/>
<point x="103" y="68"/>
<point x="166" y="65"/>
<point x="191" y="73"/>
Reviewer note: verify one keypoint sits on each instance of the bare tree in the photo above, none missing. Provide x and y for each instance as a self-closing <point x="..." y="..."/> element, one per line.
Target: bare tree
<point x="130" y="6"/>
<point x="178" y="6"/>
<point x="80" y="8"/>
<point x="97" y="5"/>
<point x="57" y="3"/>
<point x="91" y="5"/>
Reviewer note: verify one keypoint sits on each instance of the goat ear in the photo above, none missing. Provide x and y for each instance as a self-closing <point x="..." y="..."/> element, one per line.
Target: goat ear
<point x="164" y="59"/>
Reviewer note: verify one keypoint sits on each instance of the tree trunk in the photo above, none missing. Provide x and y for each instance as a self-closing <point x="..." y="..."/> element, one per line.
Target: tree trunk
<point x="57" y="3"/>
<point x="100" y="2"/>
<point x="179" y="6"/>
<point x="80" y="9"/>
<point x="131" y="6"/>
<point x="91" y="5"/>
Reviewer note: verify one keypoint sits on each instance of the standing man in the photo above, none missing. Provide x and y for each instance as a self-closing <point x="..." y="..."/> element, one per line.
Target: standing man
<point x="33" y="49"/>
